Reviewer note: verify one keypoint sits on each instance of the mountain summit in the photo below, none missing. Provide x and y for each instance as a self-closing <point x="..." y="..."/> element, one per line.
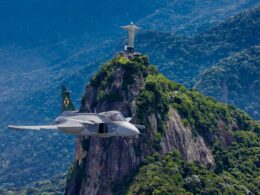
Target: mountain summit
<point x="184" y="131"/>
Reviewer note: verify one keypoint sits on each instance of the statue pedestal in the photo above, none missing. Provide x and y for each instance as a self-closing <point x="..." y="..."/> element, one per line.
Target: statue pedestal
<point x="129" y="49"/>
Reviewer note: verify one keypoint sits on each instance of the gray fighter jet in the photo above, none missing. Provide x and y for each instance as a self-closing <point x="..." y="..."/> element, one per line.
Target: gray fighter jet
<point x="104" y="124"/>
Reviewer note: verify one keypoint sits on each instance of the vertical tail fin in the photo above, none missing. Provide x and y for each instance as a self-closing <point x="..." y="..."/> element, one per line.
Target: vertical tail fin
<point x="67" y="104"/>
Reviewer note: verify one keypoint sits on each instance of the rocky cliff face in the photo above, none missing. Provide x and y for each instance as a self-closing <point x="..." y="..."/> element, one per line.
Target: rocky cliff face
<point x="136" y="89"/>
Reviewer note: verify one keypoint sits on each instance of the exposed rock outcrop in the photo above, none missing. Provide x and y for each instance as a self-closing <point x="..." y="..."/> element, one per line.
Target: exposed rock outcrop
<point x="177" y="136"/>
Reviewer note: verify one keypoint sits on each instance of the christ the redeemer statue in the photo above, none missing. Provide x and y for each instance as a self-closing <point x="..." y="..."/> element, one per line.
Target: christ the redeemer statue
<point x="131" y="34"/>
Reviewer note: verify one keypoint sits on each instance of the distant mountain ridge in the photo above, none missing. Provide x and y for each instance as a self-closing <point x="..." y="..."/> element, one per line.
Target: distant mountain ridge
<point x="182" y="58"/>
<point x="235" y="80"/>
<point x="189" y="17"/>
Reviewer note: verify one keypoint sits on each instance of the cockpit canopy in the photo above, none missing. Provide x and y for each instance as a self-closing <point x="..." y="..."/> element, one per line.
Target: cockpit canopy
<point x="113" y="115"/>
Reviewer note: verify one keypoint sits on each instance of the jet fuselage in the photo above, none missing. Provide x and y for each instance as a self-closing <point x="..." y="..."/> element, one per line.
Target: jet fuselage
<point x="105" y="124"/>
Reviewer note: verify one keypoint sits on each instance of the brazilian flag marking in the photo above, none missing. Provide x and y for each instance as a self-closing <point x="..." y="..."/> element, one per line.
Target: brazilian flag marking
<point x="66" y="102"/>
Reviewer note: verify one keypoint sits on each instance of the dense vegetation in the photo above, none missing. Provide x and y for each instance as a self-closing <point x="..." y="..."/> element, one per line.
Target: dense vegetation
<point x="52" y="186"/>
<point x="235" y="80"/>
<point x="104" y="77"/>
<point x="22" y="170"/>
<point x="237" y="171"/>
<point x="203" y="114"/>
<point x="119" y="67"/>
<point x="235" y="151"/>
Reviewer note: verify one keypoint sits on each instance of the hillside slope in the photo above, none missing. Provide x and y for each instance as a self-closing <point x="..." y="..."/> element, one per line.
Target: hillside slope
<point x="189" y="17"/>
<point x="175" y="119"/>
<point x="235" y="80"/>
<point x="52" y="186"/>
<point x="181" y="58"/>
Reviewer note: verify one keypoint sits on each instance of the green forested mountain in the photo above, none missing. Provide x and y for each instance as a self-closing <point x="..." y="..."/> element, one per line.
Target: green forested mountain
<point x="53" y="186"/>
<point x="191" y="144"/>
<point x="193" y="16"/>
<point x="236" y="171"/>
<point x="181" y="58"/>
<point x="235" y="80"/>
<point x="31" y="73"/>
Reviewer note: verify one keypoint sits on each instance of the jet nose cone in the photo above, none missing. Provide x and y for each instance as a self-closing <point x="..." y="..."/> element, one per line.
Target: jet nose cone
<point x="133" y="130"/>
<point x="136" y="131"/>
<point x="127" y="129"/>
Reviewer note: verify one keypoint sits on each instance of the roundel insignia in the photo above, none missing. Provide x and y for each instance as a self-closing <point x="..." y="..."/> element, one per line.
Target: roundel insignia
<point x="66" y="102"/>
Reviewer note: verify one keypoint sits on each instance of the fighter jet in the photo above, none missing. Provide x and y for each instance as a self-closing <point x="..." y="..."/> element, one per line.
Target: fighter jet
<point x="103" y="124"/>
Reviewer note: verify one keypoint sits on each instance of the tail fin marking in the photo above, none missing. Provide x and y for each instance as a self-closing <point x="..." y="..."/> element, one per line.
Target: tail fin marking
<point x="67" y="104"/>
